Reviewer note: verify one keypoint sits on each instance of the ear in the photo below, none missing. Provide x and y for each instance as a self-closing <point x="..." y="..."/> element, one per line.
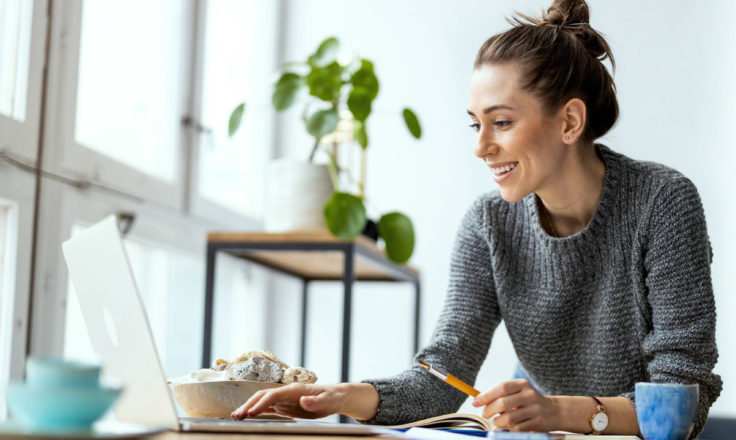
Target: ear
<point x="573" y="115"/>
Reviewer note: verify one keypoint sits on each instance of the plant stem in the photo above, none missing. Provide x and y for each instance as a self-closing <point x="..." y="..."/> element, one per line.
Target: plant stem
<point x="361" y="183"/>
<point x="314" y="150"/>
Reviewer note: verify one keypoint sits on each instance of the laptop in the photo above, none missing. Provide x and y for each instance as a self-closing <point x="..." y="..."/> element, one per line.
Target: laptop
<point x="121" y="336"/>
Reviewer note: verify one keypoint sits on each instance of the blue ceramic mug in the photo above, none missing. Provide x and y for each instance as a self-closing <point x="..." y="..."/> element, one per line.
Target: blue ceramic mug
<point x="666" y="411"/>
<point x="59" y="395"/>
<point x="50" y="372"/>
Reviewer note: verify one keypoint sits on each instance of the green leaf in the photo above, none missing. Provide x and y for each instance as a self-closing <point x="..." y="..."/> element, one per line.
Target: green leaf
<point x="397" y="232"/>
<point x="352" y="67"/>
<point x="235" y="118"/>
<point x="285" y="90"/>
<point x="359" y="103"/>
<point x="345" y="215"/>
<point x="323" y="122"/>
<point x="366" y="79"/>
<point x="326" y="53"/>
<point x="360" y="134"/>
<point x="287" y="78"/>
<point x="412" y="123"/>
<point x="366" y="64"/>
<point x="325" y="82"/>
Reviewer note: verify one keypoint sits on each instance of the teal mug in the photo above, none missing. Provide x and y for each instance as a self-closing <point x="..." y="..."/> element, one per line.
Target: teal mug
<point x="59" y="395"/>
<point x="61" y="373"/>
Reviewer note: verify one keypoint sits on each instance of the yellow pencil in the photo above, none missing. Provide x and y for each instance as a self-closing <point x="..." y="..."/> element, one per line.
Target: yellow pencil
<point x="450" y="379"/>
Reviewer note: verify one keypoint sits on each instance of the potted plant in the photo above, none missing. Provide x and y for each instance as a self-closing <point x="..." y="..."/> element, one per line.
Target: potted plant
<point x="340" y="98"/>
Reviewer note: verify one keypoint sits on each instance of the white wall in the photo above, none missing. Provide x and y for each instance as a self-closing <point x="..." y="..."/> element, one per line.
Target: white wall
<point x="675" y="63"/>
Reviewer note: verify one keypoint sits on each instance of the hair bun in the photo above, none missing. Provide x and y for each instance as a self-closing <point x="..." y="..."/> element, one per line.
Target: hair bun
<point x="574" y="16"/>
<point x="567" y="12"/>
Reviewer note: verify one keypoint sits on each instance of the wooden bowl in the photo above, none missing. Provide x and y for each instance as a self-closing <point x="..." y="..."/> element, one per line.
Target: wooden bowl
<point x="216" y="399"/>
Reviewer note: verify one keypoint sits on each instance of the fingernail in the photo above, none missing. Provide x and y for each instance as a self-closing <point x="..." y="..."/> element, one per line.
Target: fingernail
<point x="476" y="402"/>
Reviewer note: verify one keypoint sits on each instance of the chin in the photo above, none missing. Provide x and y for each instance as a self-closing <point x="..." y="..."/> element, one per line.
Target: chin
<point x="512" y="195"/>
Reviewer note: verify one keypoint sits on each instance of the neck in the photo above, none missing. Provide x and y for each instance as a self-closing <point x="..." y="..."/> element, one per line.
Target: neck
<point x="570" y="201"/>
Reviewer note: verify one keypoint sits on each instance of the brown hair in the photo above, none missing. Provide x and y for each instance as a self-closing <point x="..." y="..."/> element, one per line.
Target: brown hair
<point x="561" y="57"/>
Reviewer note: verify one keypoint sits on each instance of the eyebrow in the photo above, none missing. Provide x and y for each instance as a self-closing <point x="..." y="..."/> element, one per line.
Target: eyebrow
<point x="492" y="108"/>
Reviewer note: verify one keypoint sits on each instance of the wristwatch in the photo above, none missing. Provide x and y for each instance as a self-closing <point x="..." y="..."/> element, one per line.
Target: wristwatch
<point x="599" y="419"/>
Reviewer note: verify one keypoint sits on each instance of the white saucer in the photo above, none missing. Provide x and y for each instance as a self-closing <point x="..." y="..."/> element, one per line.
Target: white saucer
<point x="100" y="430"/>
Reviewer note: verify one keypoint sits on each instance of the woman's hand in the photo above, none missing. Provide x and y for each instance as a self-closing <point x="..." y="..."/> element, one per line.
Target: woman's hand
<point x="293" y="400"/>
<point x="520" y="407"/>
<point x="356" y="400"/>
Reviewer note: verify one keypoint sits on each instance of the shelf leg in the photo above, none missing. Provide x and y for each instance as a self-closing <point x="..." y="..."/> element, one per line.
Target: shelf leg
<point x="209" y="297"/>
<point x="303" y="346"/>
<point x="347" y="279"/>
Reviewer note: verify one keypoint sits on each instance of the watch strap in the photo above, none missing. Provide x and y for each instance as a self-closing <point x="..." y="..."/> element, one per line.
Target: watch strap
<point x="600" y="408"/>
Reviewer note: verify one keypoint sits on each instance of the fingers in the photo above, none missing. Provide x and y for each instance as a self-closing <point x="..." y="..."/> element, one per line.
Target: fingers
<point x="262" y="400"/>
<point x="500" y="390"/>
<point x="507" y="403"/>
<point x="511" y="420"/>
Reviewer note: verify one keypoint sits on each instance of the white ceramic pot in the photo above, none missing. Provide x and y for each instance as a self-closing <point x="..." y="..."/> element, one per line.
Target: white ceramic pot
<point x="297" y="193"/>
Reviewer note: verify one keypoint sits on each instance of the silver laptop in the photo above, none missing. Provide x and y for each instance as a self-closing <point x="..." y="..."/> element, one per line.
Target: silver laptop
<point x="120" y="334"/>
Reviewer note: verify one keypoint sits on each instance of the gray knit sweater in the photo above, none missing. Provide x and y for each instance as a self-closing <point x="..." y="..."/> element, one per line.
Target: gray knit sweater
<point x="627" y="299"/>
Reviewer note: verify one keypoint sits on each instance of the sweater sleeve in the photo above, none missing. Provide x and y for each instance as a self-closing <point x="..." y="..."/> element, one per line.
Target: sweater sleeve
<point x="680" y="345"/>
<point x="460" y="340"/>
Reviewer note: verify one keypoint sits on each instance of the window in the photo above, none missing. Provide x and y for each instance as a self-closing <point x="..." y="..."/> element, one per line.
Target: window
<point x="7" y="291"/>
<point x="15" y="45"/>
<point x="238" y="62"/>
<point x="128" y="94"/>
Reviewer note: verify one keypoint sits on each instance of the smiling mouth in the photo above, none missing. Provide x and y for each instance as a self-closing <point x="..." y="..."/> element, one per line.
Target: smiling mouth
<point x="504" y="169"/>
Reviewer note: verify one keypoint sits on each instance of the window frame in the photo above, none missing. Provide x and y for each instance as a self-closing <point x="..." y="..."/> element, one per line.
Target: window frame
<point x="68" y="157"/>
<point x="20" y="138"/>
<point x="199" y="205"/>
<point x="18" y="187"/>
<point x="169" y="215"/>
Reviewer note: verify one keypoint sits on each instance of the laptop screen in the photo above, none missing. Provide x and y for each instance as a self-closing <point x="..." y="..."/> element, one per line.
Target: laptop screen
<point x="117" y="323"/>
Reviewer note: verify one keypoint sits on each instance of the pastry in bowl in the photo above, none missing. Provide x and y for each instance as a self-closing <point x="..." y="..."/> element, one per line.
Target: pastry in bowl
<point x="217" y="391"/>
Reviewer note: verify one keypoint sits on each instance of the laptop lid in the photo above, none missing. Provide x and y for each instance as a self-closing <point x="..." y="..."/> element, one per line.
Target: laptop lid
<point x="117" y="323"/>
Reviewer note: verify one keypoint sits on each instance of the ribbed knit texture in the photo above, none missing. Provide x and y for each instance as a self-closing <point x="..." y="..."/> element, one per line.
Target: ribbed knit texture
<point x="627" y="299"/>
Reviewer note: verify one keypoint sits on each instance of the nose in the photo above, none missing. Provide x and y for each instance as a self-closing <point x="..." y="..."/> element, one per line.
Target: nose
<point x="485" y="145"/>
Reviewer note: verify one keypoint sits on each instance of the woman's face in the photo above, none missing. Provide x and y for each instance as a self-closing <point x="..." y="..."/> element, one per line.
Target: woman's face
<point x="522" y="147"/>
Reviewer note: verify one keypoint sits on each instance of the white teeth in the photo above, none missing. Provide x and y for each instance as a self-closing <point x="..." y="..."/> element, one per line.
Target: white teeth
<point x="504" y="169"/>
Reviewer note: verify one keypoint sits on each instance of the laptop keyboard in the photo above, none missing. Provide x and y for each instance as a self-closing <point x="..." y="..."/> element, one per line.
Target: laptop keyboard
<point x="216" y="421"/>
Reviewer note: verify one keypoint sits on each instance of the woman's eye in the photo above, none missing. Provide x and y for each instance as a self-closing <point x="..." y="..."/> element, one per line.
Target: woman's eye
<point x="502" y="124"/>
<point x="475" y="127"/>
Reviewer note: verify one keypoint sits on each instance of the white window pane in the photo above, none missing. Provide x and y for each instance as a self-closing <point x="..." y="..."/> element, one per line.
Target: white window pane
<point x="230" y="170"/>
<point x="128" y="96"/>
<point x="172" y="286"/>
<point x="15" y="45"/>
<point x="7" y="293"/>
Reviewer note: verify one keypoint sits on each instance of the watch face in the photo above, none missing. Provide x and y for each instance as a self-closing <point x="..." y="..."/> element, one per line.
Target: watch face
<point x="600" y="421"/>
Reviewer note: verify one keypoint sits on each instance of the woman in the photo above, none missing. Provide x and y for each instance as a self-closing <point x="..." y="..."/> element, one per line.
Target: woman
<point x="599" y="265"/>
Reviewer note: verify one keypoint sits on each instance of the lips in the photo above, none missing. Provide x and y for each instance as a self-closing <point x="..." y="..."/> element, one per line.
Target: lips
<point x="502" y="170"/>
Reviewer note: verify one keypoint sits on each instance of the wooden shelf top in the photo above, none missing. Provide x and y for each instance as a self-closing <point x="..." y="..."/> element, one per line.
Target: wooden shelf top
<point x="371" y="262"/>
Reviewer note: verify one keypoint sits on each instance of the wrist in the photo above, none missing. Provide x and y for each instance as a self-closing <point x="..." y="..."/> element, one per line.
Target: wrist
<point x="572" y="413"/>
<point x="357" y="400"/>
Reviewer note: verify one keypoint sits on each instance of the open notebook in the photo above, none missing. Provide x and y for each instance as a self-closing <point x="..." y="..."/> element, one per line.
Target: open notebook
<point x="475" y="422"/>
